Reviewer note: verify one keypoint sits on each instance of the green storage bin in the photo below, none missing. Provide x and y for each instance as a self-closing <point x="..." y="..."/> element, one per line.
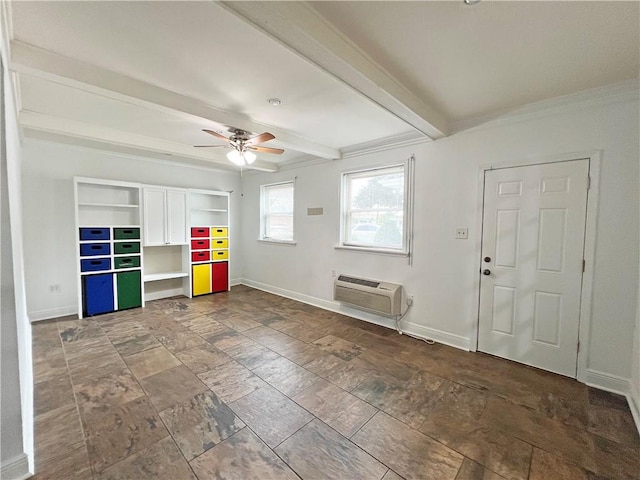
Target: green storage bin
<point x="129" y="290"/>
<point x="127" y="262"/>
<point x="126" y="233"/>
<point x="126" y="247"/>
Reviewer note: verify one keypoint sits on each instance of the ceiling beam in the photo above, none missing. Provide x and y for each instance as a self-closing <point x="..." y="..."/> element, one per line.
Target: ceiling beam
<point x="303" y="30"/>
<point x="84" y="132"/>
<point x="50" y="66"/>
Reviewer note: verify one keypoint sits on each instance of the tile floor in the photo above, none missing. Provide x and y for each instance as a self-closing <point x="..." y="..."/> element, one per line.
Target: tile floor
<point x="248" y="385"/>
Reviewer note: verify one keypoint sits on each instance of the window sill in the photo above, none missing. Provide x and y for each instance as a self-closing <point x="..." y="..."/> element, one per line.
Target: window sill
<point x="378" y="251"/>
<point x="289" y="243"/>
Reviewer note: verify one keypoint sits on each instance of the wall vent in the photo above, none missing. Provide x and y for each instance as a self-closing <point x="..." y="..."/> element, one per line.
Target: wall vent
<point x="383" y="298"/>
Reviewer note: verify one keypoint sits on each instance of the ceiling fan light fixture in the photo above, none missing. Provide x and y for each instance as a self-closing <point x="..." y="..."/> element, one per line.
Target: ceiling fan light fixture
<point x="249" y="157"/>
<point x="236" y="158"/>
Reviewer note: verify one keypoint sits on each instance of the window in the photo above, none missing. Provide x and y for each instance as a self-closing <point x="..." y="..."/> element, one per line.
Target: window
<point x="276" y="212"/>
<point x="374" y="209"/>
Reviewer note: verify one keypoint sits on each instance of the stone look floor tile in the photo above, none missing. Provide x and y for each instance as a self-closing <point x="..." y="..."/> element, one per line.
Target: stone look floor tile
<point x="172" y="386"/>
<point x="339" y="347"/>
<point x="317" y="448"/>
<point x="199" y="423"/>
<point x="335" y="407"/>
<point x="406" y="451"/>
<point x="57" y="432"/>
<point x="409" y="402"/>
<point x="53" y="393"/>
<point x="160" y="461"/>
<point x="241" y="457"/>
<point x="118" y="432"/>
<point x="521" y="423"/>
<point x="109" y="389"/>
<point x="202" y="358"/>
<point x="508" y="420"/>
<point x="271" y="415"/>
<point x="286" y="376"/>
<point x="150" y="362"/>
<point x="471" y="470"/>
<point x="231" y="381"/>
<point x="545" y="466"/>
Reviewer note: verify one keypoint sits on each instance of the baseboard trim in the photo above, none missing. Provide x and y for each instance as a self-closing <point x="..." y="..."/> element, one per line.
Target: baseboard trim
<point x="50" y="313"/>
<point x="428" y="333"/>
<point x="633" y="397"/>
<point x="411" y="329"/>
<point x="16" y="468"/>
<point x="606" y="381"/>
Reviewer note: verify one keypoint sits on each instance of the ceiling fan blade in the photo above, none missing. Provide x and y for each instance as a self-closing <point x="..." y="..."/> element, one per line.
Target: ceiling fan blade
<point x="215" y="134"/>
<point x="277" y="151"/>
<point x="212" y="146"/>
<point x="263" y="137"/>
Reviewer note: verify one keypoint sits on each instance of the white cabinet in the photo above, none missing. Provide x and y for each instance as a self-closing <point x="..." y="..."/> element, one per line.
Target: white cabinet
<point x="165" y="216"/>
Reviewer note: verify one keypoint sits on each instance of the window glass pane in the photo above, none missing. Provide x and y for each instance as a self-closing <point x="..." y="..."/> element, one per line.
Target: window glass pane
<point x="375" y="208"/>
<point x="278" y="211"/>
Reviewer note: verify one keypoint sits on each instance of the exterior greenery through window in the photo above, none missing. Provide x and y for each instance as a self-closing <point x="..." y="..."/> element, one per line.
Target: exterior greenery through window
<point x="374" y="208"/>
<point x="276" y="212"/>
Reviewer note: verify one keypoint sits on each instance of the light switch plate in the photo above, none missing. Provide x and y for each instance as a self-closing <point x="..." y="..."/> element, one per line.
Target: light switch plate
<point x="462" y="233"/>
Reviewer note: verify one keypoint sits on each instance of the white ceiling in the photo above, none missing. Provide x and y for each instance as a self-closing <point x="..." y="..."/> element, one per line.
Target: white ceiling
<point x="150" y="75"/>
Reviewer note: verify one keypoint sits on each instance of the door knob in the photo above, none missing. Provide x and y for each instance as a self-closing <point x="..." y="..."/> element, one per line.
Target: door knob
<point x="487" y="259"/>
<point x="486" y="271"/>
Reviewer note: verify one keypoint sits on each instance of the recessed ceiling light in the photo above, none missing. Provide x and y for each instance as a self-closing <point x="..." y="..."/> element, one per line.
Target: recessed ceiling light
<point x="274" y="101"/>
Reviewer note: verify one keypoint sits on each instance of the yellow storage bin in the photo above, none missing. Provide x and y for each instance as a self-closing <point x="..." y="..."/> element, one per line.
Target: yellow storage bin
<point x="219" y="232"/>
<point x="219" y="254"/>
<point x="222" y="243"/>
<point x="201" y="279"/>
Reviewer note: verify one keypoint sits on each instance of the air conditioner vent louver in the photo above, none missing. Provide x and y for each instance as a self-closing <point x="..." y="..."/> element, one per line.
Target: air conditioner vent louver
<point x="382" y="298"/>
<point x="359" y="281"/>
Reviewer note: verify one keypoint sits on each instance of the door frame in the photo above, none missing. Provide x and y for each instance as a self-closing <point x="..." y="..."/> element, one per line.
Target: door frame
<point x="586" y="296"/>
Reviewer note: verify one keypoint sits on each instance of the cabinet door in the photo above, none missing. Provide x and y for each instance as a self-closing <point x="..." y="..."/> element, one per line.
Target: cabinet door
<point x="154" y="216"/>
<point x="177" y="216"/>
<point x="97" y="294"/>
<point x="220" y="276"/>
<point x="129" y="291"/>
<point x="201" y="279"/>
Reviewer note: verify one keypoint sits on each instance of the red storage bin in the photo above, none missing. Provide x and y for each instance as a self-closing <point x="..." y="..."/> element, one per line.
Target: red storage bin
<point x="200" y="244"/>
<point x="200" y="256"/>
<point x="199" y="232"/>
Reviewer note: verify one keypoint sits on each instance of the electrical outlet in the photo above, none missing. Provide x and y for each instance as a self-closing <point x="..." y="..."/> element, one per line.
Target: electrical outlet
<point x="410" y="300"/>
<point x="55" y="288"/>
<point x="462" y="233"/>
<point x="333" y="273"/>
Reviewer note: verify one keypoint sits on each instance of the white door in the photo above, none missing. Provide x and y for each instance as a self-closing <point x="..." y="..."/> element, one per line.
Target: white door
<point x="532" y="262"/>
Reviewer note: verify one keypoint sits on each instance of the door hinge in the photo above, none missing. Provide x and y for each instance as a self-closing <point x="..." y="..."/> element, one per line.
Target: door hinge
<point x="588" y="183"/>
<point x="584" y="263"/>
<point x="578" y="346"/>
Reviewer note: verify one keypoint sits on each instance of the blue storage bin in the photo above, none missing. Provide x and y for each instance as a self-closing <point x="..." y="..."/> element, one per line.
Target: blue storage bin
<point x="97" y="294"/>
<point x="94" y="265"/>
<point x="93" y="249"/>
<point x="94" y="234"/>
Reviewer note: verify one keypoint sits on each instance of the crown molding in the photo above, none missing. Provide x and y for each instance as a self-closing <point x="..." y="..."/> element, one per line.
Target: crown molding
<point x="626" y="91"/>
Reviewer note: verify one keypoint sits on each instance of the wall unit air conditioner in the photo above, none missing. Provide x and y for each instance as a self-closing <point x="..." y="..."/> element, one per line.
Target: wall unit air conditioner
<point x="379" y="297"/>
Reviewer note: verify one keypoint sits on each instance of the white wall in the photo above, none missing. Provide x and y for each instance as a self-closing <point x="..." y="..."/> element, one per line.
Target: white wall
<point x="49" y="229"/>
<point x="442" y="277"/>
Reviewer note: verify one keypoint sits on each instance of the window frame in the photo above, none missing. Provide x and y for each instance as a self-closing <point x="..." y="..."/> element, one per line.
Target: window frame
<point x="263" y="214"/>
<point x="407" y="211"/>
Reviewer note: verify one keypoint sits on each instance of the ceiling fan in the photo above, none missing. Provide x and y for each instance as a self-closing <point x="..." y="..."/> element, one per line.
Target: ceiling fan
<point x="243" y="145"/>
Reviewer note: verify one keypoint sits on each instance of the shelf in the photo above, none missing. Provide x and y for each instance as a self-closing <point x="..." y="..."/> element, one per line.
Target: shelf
<point x="209" y="210"/>
<point x="154" y="277"/>
<point x="108" y="205"/>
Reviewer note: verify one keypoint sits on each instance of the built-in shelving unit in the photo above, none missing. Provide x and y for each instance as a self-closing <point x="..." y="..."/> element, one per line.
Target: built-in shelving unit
<point x="209" y="231"/>
<point x="109" y="261"/>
